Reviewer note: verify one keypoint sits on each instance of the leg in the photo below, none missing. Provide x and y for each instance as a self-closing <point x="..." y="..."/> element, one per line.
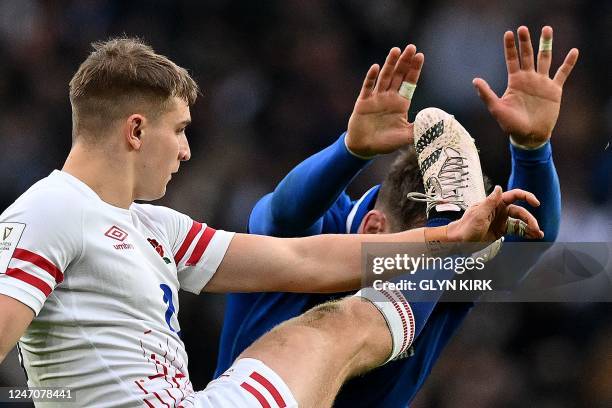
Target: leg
<point x="317" y="352"/>
<point x="311" y="356"/>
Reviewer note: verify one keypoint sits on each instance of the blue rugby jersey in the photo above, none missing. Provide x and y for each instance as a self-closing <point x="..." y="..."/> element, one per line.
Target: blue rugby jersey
<point x="311" y="200"/>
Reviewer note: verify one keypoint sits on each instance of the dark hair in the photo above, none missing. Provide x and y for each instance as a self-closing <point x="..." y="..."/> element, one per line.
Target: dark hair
<point x="404" y="177"/>
<point x="122" y="74"/>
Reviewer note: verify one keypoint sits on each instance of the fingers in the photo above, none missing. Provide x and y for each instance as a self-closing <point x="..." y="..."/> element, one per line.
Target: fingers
<point x="493" y="199"/>
<point x="408" y="85"/>
<point x="369" y="82"/>
<point x="545" y="50"/>
<point x="512" y="60"/>
<point x="532" y="229"/>
<point x="566" y="68"/>
<point x="402" y="67"/>
<point x="525" y="48"/>
<point x="485" y="92"/>
<point x="416" y="65"/>
<point x="386" y="73"/>
<point x="517" y="194"/>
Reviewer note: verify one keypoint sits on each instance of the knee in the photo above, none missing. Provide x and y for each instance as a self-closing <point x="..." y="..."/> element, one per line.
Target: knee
<point x="349" y="318"/>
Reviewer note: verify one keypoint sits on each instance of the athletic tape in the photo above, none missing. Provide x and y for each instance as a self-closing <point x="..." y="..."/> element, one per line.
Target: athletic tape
<point x="407" y="90"/>
<point x="516" y="227"/>
<point x="545" y="45"/>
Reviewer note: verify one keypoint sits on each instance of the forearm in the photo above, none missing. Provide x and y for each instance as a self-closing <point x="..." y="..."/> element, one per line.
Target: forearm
<point x="304" y="195"/>
<point x="14" y="320"/>
<point x="319" y="264"/>
<point x="534" y="171"/>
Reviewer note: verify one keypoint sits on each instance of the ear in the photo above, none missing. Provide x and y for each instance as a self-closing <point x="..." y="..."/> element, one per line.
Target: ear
<point x="374" y="222"/>
<point x="134" y="130"/>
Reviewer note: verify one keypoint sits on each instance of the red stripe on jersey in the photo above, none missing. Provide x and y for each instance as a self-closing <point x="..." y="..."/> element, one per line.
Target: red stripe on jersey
<point x="31" y="279"/>
<point x="42" y="263"/>
<point x="141" y="387"/>
<point x="201" y="246"/>
<point x="173" y="399"/>
<point x="160" y="400"/>
<point x="270" y="387"/>
<point x="195" y="228"/>
<point x="256" y="394"/>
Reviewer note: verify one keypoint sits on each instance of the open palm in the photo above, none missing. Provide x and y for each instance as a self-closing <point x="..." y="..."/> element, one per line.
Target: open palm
<point x="379" y="122"/>
<point x="529" y="108"/>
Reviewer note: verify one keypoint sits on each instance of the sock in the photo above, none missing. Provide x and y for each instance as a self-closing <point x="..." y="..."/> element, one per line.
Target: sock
<point x="406" y="312"/>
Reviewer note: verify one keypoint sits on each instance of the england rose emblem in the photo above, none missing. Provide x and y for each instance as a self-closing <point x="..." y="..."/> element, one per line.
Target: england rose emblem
<point x="159" y="249"/>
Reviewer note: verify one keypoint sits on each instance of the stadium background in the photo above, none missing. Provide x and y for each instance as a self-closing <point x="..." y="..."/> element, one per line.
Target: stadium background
<point x="279" y="80"/>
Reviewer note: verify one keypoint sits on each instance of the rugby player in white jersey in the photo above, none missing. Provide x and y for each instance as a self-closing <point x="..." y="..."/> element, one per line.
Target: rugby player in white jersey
<point x="89" y="279"/>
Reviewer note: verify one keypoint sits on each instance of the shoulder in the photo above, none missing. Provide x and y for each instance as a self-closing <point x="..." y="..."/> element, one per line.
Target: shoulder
<point x="173" y="224"/>
<point x="48" y="204"/>
<point x="161" y="216"/>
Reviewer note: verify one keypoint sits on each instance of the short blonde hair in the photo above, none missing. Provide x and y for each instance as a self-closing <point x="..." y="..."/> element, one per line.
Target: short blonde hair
<point x="124" y="74"/>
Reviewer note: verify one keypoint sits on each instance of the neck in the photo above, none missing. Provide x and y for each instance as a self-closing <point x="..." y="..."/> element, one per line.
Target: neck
<point x="105" y="173"/>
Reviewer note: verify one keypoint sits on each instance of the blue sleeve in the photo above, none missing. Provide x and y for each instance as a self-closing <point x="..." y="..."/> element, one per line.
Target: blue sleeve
<point x="297" y="205"/>
<point x="534" y="171"/>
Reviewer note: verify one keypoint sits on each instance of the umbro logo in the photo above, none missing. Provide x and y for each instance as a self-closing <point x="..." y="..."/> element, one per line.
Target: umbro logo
<point x="116" y="233"/>
<point x="120" y="235"/>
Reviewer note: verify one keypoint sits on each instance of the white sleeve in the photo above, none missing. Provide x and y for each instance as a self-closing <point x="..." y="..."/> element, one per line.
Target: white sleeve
<point x="37" y="243"/>
<point x="198" y="249"/>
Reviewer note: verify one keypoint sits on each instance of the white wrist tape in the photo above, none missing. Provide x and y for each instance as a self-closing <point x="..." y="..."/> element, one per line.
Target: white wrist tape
<point x="520" y="146"/>
<point x="545" y="45"/>
<point x="397" y="313"/>
<point x="407" y="90"/>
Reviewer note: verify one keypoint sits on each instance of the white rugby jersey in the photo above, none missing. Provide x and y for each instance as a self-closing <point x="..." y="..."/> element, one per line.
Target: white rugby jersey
<point x="103" y="283"/>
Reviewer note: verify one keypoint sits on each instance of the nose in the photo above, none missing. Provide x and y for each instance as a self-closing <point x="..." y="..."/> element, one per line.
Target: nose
<point x="184" y="151"/>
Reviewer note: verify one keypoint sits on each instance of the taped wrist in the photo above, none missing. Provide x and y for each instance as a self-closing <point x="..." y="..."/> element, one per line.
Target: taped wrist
<point x="520" y="146"/>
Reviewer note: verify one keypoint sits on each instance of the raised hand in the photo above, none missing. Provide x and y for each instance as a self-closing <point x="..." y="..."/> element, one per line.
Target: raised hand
<point x="489" y="219"/>
<point x="529" y="108"/>
<point x="379" y="122"/>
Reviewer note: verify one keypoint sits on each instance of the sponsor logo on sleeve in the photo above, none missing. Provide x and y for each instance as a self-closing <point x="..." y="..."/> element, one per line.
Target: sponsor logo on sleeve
<point x="11" y="233"/>
<point x="7" y="232"/>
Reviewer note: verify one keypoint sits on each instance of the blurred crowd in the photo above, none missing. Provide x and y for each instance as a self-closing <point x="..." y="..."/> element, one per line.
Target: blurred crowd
<point x="279" y="80"/>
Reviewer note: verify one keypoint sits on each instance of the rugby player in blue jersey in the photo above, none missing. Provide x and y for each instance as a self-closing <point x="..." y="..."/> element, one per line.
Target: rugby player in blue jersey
<point x="312" y="200"/>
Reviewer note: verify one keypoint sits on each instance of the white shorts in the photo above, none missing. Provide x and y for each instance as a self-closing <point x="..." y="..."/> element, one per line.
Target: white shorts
<point x="248" y="383"/>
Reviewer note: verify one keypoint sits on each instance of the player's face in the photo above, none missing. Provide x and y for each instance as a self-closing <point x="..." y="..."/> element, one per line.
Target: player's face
<point x="164" y="147"/>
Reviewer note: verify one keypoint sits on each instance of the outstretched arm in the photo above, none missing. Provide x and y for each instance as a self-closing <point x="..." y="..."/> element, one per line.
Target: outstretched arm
<point x="332" y="263"/>
<point x="534" y="170"/>
<point x="299" y="201"/>
<point x="297" y="205"/>
<point x="528" y="112"/>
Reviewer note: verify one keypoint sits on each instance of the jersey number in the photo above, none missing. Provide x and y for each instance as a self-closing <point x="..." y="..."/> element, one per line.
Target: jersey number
<point x="170" y="310"/>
